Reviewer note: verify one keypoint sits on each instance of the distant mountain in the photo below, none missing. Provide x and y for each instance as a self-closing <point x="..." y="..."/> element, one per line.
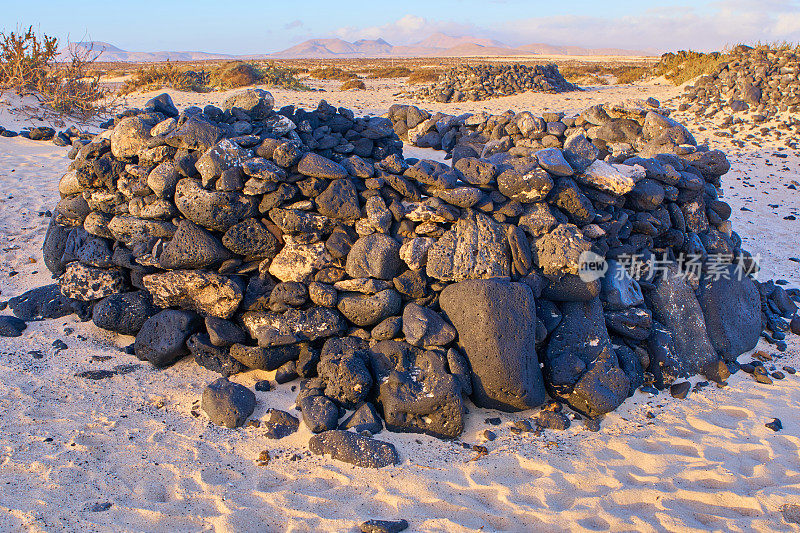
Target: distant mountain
<point x="326" y="48"/>
<point x="550" y="50"/>
<point x="109" y="52"/>
<point x="435" y="45"/>
<point x="441" y="40"/>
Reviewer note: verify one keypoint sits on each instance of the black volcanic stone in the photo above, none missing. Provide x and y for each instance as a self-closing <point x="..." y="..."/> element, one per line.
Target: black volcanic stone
<point x="680" y="390"/>
<point x="496" y="321"/>
<point x="354" y="449"/>
<point x="124" y="313"/>
<point x="228" y="404"/>
<point x="11" y="326"/>
<point x="162" y="338"/>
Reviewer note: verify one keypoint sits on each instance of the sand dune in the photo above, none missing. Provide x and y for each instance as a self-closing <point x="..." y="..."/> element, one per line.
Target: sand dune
<point x="134" y="452"/>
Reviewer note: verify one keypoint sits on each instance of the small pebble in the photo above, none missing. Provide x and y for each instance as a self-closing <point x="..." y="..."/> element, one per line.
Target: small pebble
<point x="775" y="425"/>
<point x="680" y="390"/>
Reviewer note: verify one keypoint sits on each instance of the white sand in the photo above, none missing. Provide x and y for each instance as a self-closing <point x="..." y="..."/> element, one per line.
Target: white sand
<point x="68" y="444"/>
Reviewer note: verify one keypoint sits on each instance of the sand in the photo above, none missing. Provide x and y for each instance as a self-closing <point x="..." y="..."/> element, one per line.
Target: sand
<point x="135" y="453"/>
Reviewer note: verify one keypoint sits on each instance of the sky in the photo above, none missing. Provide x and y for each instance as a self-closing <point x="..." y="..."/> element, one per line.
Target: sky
<point x="260" y="27"/>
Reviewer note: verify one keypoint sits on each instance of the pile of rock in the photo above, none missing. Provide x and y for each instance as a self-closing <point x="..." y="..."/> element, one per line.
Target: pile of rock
<point x="764" y="81"/>
<point x="45" y="133"/>
<point x="395" y="288"/>
<point x="482" y="82"/>
<point x="619" y="131"/>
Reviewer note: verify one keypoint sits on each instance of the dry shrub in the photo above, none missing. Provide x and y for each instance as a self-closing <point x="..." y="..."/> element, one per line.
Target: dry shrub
<point x="73" y="89"/>
<point x="423" y="75"/>
<point x="389" y="72"/>
<point x="600" y="73"/>
<point x="28" y="65"/>
<point x="332" y="73"/>
<point x="275" y="76"/>
<point x="632" y="74"/>
<point x="25" y="59"/>
<point x="167" y="75"/>
<point x="356" y="84"/>
<point x="686" y="65"/>
<point x="234" y="75"/>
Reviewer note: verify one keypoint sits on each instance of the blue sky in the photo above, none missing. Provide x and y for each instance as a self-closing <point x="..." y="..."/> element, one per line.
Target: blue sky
<point x="244" y="26"/>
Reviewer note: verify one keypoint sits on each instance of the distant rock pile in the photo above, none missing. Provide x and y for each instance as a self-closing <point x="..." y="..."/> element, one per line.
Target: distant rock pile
<point x="396" y="288"/>
<point x="764" y="81"/>
<point x="618" y="131"/>
<point x="482" y="82"/>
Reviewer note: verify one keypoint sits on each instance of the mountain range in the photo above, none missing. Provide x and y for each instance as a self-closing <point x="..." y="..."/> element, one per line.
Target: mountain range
<point x="436" y="45"/>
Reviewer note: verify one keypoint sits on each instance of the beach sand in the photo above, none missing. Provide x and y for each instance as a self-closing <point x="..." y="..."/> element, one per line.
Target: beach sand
<point x="134" y="452"/>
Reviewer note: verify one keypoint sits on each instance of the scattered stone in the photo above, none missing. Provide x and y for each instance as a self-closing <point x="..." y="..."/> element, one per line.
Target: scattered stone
<point x="384" y="526"/>
<point x="280" y="424"/>
<point x="775" y="425"/>
<point x="680" y="390"/>
<point x="228" y="404"/>
<point x="11" y="326"/>
<point x="354" y="449"/>
<point x="552" y="420"/>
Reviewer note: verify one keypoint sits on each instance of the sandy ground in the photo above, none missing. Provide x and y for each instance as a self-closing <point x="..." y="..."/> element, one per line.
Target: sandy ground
<point x="135" y="453"/>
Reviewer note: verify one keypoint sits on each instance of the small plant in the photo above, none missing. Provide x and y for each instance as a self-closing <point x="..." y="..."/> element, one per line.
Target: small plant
<point x="351" y="85"/>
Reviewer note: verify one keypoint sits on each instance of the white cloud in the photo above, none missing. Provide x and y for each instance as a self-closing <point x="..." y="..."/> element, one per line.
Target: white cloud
<point x="407" y="30"/>
<point x="711" y="28"/>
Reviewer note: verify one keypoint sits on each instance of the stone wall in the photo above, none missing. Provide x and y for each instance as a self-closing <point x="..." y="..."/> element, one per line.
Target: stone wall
<point x="481" y="82"/>
<point x="394" y="287"/>
<point x="764" y="81"/>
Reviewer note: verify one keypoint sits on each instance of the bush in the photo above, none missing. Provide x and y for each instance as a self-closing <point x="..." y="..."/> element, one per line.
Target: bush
<point x="423" y="75"/>
<point x="166" y="75"/>
<point x="389" y="72"/>
<point x="27" y="63"/>
<point x="276" y="76"/>
<point x="332" y="73"/>
<point x="356" y="84"/>
<point x="632" y="74"/>
<point x="234" y="75"/>
<point x="25" y="59"/>
<point x="686" y="65"/>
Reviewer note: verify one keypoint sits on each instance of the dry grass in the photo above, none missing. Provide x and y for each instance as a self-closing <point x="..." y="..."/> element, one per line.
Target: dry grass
<point x="167" y="75"/>
<point x="275" y="75"/>
<point x="389" y="72"/>
<point x="424" y="75"/>
<point x="603" y="74"/>
<point x="332" y="73"/>
<point x="354" y="84"/>
<point x="228" y="75"/>
<point x="686" y="65"/>
<point x="234" y="75"/>
<point x="27" y="65"/>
